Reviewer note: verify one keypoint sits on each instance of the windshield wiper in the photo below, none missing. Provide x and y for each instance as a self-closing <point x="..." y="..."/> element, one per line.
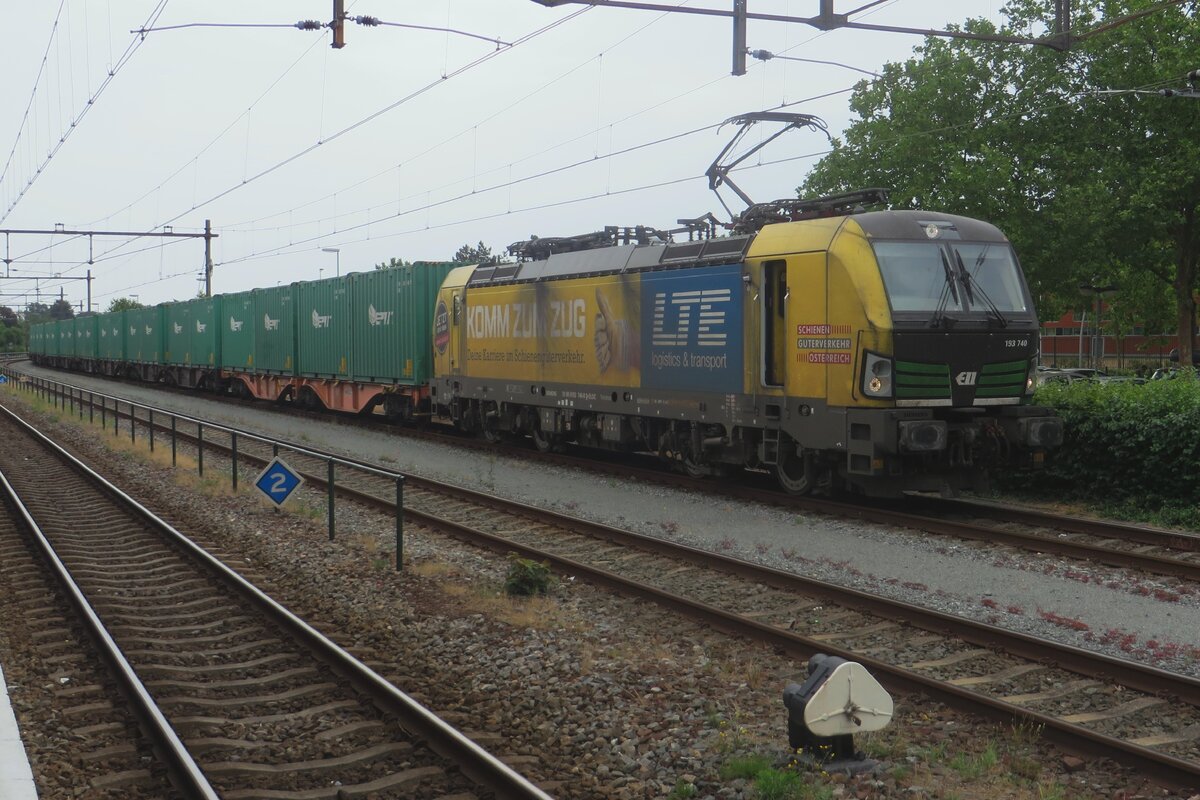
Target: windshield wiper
<point x="939" y="317"/>
<point x="970" y="286"/>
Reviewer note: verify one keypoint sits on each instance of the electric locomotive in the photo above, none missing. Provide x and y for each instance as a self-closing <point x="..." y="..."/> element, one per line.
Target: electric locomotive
<point x="873" y="351"/>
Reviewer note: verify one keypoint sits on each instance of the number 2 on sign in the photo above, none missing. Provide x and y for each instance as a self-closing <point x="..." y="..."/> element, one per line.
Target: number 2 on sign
<point x="278" y="483"/>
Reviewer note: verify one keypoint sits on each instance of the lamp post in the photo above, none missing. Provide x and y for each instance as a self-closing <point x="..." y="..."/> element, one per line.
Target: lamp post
<point x="1099" y="293"/>
<point x="338" y="254"/>
<point x="767" y="55"/>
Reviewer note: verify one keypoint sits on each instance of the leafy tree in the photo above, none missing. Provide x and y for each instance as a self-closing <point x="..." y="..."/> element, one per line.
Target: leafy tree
<point x="123" y="304"/>
<point x="1090" y="184"/>
<point x="37" y="312"/>
<point x="479" y="254"/>
<point x="9" y="317"/>
<point x="62" y="309"/>
<point x="393" y="263"/>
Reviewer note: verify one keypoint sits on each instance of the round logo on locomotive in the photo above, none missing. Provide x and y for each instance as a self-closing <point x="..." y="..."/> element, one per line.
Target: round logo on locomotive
<point x="441" y="327"/>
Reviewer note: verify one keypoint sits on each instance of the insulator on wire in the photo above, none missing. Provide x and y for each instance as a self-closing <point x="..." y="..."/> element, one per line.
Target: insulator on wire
<point x="309" y="25"/>
<point x="368" y="21"/>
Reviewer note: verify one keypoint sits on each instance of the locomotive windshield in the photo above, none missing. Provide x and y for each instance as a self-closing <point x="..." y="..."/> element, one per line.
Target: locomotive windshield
<point x="932" y="276"/>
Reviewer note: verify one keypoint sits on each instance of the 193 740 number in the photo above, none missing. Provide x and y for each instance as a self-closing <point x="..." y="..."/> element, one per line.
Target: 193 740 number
<point x="1016" y="343"/>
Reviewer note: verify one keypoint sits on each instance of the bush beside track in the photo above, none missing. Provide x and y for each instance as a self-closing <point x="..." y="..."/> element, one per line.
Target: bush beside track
<point x="1131" y="449"/>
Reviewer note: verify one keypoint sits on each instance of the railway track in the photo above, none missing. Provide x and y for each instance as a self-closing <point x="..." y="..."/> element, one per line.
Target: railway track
<point x="1087" y="702"/>
<point x="235" y="697"/>
<point x="1138" y="547"/>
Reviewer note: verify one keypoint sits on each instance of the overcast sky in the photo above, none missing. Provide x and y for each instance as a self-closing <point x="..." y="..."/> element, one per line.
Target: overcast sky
<point x="406" y="143"/>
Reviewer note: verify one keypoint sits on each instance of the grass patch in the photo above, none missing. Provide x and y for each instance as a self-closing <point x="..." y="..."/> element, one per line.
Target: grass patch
<point x="975" y="766"/>
<point x="746" y="767"/>
<point x="681" y="790"/>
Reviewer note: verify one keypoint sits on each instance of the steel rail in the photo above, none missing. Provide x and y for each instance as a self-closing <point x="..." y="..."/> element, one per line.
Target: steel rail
<point x="1130" y="532"/>
<point x="477" y="763"/>
<point x="1073" y="737"/>
<point x="186" y="775"/>
<point x="1070" y="736"/>
<point x="874" y="513"/>
<point x="1132" y="674"/>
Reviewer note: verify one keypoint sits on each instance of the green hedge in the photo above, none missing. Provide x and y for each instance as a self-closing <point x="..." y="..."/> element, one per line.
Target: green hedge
<point x="1125" y="444"/>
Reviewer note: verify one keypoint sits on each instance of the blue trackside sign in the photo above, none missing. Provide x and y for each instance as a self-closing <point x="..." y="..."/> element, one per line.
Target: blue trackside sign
<point x="278" y="482"/>
<point x="692" y="329"/>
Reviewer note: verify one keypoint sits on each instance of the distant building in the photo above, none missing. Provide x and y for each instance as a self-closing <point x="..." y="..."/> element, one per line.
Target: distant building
<point x="1072" y="340"/>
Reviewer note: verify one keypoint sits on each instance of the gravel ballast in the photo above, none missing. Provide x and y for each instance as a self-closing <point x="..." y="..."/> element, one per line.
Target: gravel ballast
<point x="1105" y="609"/>
<point x="594" y="695"/>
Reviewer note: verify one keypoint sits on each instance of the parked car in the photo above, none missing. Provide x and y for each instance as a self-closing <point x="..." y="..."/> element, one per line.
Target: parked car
<point x="1068" y="375"/>
<point x="1173" y="356"/>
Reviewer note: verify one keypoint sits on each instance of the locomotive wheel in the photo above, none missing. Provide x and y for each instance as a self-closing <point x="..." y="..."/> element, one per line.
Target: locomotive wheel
<point x="795" y="471"/>
<point x="543" y="442"/>
<point x="492" y="434"/>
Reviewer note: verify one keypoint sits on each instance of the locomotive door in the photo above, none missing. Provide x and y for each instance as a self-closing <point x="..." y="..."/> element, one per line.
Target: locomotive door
<point x="457" y="313"/>
<point x="812" y="343"/>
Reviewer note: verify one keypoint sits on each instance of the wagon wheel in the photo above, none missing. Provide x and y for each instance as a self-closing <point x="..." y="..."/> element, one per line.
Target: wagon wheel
<point x="492" y="434"/>
<point x="694" y="468"/>
<point x="794" y="469"/>
<point x="544" y="442"/>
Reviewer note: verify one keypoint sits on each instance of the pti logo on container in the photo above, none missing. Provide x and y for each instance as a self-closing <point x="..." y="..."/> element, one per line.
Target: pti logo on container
<point x="441" y="327"/>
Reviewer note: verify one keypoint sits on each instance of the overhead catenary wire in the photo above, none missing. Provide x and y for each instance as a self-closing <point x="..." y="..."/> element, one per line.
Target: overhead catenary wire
<point x="33" y="93"/>
<point x="312" y="25"/>
<point x="542" y="150"/>
<point x="303" y="244"/>
<point x="372" y="116"/>
<point x="773" y="162"/>
<point x="74" y="122"/>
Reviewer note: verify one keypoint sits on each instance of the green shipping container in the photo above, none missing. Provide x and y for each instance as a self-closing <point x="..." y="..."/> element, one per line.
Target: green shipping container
<point x="86" y="338"/>
<point x="204" y="340"/>
<point x="177" y="347"/>
<point x="37" y="339"/>
<point x="323" y="328"/>
<point x="66" y="338"/>
<point x="144" y="342"/>
<point x="112" y="331"/>
<point x="53" y="340"/>
<point x="275" y="331"/>
<point x="237" y="331"/>
<point x="191" y="333"/>
<point x="393" y="322"/>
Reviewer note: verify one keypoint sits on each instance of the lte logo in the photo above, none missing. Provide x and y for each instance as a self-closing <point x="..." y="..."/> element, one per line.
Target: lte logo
<point x="201" y="327"/>
<point x="178" y="328"/>
<point x="320" y="321"/>
<point x="235" y="325"/>
<point x="700" y="309"/>
<point x="270" y="324"/>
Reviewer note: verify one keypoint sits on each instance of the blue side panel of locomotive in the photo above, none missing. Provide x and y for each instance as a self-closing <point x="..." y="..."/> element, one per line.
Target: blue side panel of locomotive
<point x="692" y="336"/>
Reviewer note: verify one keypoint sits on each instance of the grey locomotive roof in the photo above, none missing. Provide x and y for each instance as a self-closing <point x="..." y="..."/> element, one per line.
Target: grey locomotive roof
<point x="728" y="249"/>
<point x="610" y="260"/>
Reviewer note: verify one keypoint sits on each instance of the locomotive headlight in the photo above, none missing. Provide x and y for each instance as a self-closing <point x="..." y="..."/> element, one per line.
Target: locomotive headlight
<point x="1031" y="378"/>
<point x="877" y="376"/>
